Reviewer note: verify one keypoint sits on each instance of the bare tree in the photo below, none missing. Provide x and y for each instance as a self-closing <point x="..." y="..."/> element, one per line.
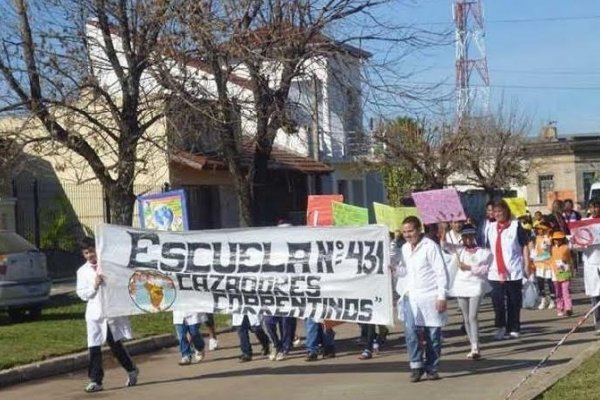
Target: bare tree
<point x="88" y="93"/>
<point x="495" y="153"/>
<point x="12" y="160"/>
<point x="432" y="152"/>
<point x="254" y="52"/>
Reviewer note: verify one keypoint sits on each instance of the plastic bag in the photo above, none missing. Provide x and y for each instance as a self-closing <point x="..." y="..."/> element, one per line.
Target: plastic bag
<point x="530" y="294"/>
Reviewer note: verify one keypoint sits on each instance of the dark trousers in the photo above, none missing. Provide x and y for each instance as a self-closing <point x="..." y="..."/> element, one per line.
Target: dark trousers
<point x="244" y="335"/>
<point x="507" y="299"/>
<point x="95" y="370"/>
<point x="541" y="287"/>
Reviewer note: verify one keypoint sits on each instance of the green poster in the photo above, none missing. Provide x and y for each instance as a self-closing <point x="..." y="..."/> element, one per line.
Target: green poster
<point x="347" y="215"/>
<point x="392" y="217"/>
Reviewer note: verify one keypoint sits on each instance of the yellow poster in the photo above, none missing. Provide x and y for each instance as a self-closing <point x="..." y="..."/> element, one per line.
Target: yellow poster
<point x="392" y="217"/>
<point x="517" y="205"/>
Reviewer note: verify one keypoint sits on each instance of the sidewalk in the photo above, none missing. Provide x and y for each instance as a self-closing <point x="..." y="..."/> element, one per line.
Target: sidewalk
<point x="385" y="376"/>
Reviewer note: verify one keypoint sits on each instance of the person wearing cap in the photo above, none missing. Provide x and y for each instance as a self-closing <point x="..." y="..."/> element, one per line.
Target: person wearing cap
<point x="540" y="255"/>
<point x="470" y="283"/>
<point x="562" y="267"/>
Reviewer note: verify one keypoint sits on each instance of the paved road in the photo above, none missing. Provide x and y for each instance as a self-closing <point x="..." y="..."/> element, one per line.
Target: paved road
<point x="345" y="377"/>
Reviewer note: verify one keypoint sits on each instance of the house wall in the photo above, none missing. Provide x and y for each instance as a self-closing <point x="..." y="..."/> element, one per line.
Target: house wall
<point x="563" y="170"/>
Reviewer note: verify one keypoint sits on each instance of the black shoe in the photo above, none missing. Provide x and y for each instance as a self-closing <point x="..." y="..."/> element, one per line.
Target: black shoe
<point x="245" y="357"/>
<point x="416" y="374"/>
<point x="266" y="351"/>
<point x="329" y="354"/>
<point x="433" y="376"/>
<point x="311" y="357"/>
<point x="463" y="329"/>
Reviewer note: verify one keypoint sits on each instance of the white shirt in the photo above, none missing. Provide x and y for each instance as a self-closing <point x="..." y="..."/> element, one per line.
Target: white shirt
<point x="189" y="318"/>
<point x="95" y="324"/>
<point x="472" y="283"/>
<point x="425" y="280"/>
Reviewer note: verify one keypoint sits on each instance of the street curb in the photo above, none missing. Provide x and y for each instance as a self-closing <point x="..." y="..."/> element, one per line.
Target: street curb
<point x="543" y="381"/>
<point x="78" y="361"/>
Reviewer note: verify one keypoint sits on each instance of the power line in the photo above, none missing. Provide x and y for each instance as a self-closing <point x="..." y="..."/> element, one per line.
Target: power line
<point x="585" y="88"/>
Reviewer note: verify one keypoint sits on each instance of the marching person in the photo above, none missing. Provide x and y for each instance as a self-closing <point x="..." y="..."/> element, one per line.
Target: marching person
<point x="90" y="283"/>
<point x="482" y="234"/>
<point x="245" y="324"/>
<point x="187" y="327"/>
<point x="540" y="253"/>
<point x="509" y="245"/>
<point x="470" y="283"/>
<point x="423" y="294"/>
<point x="562" y="267"/>
<point x="591" y="266"/>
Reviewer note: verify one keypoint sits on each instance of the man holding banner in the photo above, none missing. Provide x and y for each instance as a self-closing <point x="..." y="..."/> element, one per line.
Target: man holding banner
<point x="423" y="299"/>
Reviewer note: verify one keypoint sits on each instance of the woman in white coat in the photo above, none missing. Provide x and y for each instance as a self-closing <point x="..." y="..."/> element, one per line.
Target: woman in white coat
<point x="423" y="285"/>
<point x="470" y="283"/>
<point x="591" y="266"/>
<point x="99" y="329"/>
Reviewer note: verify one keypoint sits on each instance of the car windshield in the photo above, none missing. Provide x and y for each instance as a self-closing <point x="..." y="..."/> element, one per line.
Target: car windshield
<point x="10" y="242"/>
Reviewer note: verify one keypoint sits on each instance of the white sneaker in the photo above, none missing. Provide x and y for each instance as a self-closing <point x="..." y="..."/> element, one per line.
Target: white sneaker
<point x="543" y="303"/>
<point x="93" y="387"/>
<point x="551" y="305"/>
<point x="198" y="356"/>
<point x="499" y="335"/>
<point x="375" y="346"/>
<point x="515" y="335"/>
<point x="213" y="344"/>
<point x="280" y="357"/>
<point x="185" y="360"/>
<point x="297" y="342"/>
<point x="273" y="354"/>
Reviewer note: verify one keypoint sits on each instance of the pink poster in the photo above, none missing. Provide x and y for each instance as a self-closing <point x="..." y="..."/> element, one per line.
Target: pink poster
<point x="441" y="205"/>
<point x="319" y="209"/>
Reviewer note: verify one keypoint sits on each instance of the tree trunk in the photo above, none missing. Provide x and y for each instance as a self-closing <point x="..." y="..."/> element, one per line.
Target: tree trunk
<point x="244" y="195"/>
<point x="122" y="201"/>
<point x="259" y="187"/>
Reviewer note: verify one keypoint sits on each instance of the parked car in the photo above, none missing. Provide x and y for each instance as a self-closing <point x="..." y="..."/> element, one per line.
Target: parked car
<point x="24" y="282"/>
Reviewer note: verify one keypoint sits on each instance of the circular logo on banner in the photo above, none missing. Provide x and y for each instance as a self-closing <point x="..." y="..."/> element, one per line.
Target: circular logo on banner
<point x="152" y="291"/>
<point x="583" y="237"/>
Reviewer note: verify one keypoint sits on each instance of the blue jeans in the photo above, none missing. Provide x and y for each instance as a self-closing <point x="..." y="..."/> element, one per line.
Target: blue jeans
<point x="422" y="341"/>
<point x="184" y="345"/>
<point x="282" y="342"/>
<point x="315" y="335"/>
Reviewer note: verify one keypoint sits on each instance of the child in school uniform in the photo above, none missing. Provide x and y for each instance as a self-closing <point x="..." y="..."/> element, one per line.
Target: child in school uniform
<point x="562" y="265"/>
<point x="187" y="326"/>
<point x="541" y="254"/>
<point x="90" y="283"/>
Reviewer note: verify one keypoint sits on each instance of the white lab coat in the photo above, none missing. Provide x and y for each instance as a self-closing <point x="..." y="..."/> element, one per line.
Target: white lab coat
<point x="236" y="319"/>
<point x="423" y="277"/>
<point x="591" y="270"/>
<point x="96" y="325"/>
<point x="190" y="318"/>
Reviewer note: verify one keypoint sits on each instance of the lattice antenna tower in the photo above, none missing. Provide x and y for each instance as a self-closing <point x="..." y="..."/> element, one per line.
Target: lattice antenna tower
<point x="472" y="78"/>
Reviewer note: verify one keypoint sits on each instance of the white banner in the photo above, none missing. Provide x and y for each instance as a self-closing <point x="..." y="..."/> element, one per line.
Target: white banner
<point x="330" y="273"/>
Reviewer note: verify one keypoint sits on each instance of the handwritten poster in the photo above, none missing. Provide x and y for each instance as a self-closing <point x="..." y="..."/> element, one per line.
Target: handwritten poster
<point x="163" y="211"/>
<point x="319" y="209"/>
<point x="392" y="217"/>
<point x="349" y="215"/>
<point x="441" y="205"/>
<point x="517" y="206"/>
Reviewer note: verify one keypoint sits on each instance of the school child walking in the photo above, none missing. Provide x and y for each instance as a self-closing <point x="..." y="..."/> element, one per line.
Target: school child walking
<point x="187" y="326"/>
<point x="562" y="265"/>
<point x="541" y="255"/>
<point x="90" y="283"/>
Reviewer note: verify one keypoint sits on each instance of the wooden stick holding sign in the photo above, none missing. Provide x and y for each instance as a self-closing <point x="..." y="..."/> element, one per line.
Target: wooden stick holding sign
<point x="441" y="205"/>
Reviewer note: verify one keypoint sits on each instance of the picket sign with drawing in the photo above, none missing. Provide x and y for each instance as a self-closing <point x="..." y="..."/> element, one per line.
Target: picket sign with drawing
<point x="440" y="205"/>
<point x="585" y="232"/>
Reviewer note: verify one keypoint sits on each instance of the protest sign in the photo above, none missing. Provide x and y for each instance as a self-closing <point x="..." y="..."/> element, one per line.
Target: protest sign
<point x="329" y="273"/>
<point x="392" y="217"/>
<point x="441" y="205"/>
<point x="585" y="232"/>
<point x="319" y="209"/>
<point x="348" y="215"/>
<point x="163" y="211"/>
<point x="517" y="206"/>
